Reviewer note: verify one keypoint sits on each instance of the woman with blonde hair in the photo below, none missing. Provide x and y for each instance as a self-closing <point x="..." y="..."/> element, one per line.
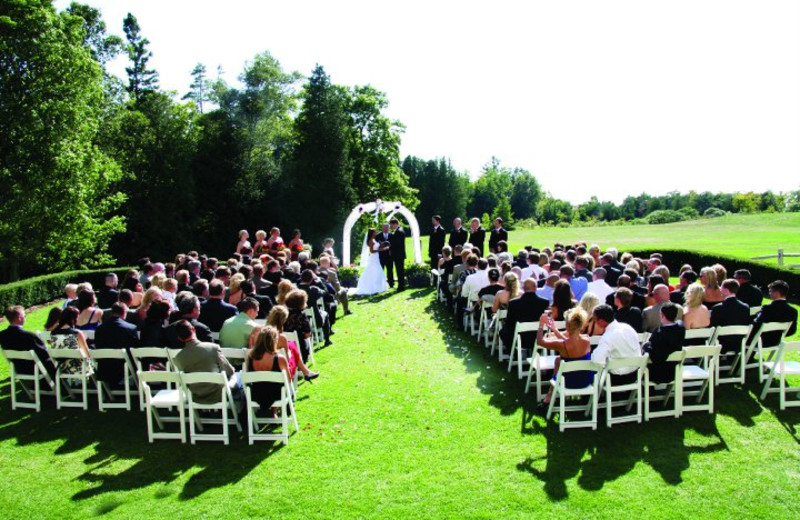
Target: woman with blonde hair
<point x="512" y="290"/>
<point x="235" y="294"/>
<point x="713" y="294"/>
<point x="588" y="302"/>
<point x="243" y="241"/>
<point x="260" y="247"/>
<point x="570" y="345"/>
<point x="264" y="356"/>
<point x="277" y="318"/>
<point x="695" y="314"/>
<point x="284" y="288"/>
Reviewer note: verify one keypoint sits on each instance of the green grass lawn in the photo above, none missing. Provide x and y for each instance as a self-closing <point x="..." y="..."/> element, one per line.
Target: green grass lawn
<point x="410" y="419"/>
<point x="738" y="236"/>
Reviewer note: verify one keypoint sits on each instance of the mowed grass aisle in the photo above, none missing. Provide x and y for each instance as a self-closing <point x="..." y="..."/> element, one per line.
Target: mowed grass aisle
<point x="410" y="419"/>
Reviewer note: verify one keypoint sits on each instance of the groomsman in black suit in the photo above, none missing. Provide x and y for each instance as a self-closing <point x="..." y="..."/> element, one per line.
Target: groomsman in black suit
<point x="436" y="242"/>
<point x="732" y="311"/>
<point x="748" y="293"/>
<point x="498" y="234"/>
<point x="778" y="311"/>
<point x="458" y="237"/>
<point x="477" y="235"/>
<point x="397" y="243"/>
<point x="16" y="338"/>
<point x="385" y="254"/>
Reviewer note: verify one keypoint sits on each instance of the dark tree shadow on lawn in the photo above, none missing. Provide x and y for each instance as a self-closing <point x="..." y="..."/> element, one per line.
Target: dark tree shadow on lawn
<point x="609" y="453"/>
<point x="117" y="435"/>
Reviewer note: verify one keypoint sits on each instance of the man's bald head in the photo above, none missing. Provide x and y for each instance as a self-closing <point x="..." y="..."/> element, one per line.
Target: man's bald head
<point x="529" y="285"/>
<point x="661" y="293"/>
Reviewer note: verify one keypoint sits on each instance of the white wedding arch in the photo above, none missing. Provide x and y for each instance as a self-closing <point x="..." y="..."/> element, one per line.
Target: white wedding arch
<point x="377" y="209"/>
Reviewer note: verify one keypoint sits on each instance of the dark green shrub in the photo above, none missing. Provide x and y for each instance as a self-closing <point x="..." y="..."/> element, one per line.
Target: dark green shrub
<point x="664" y="216"/>
<point x="42" y="289"/>
<point x="689" y="213"/>
<point x="713" y="212"/>
<point x="418" y="275"/>
<point x="348" y="276"/>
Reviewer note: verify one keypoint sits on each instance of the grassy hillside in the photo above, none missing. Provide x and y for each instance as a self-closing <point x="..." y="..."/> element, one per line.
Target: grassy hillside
<point x="740" y="236"/>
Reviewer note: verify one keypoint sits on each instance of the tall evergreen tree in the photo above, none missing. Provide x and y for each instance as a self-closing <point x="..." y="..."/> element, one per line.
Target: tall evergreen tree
<point x="319" y="168"/>
<point x="141" y="80"/>
<point x="200" y="89"/>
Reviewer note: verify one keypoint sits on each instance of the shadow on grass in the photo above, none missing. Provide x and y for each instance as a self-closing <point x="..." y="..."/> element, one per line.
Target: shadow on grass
<point x="119" y="438"/>
<point x="604" y="455"/>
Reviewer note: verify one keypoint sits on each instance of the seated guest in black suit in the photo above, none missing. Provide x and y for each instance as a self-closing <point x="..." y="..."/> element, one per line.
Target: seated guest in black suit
<point x="777" y="311"/>
<point x="527" y="308"/>
<point x="748" y="293"/>
<point x="678" y="296"/>
<point x="182" y="278"/>
<point x="200" y="289"/>
<point x="132" y="317"/>
<point x="15" y="338"/>
<point x="731" y="311"/>
<point x="307" y="284"/>
<point x="115" y="333"/>
<point x="215" y="311"/>
<point x="264" y="302"/>
<point x="188" y="310"/>
<point x="152" y="330"/>
<point x="108" y="294"/>
<point x="582" y="269"/>
<point x="665" y="340"/>
<point x="626" y="313"/>
<point x="612" y="272"/>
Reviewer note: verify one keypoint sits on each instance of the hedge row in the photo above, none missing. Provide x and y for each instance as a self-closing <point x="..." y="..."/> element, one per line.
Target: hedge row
<point x="762" y="274"/>
<point x="42" y="289"/>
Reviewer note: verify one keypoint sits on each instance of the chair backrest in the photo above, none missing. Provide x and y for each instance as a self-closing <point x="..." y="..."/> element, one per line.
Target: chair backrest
<point x="473" y="298"/>
<point x="234" y="354"/>
<point x="44" y="335"/>
<point x="637" y="362"/>
<point x="733" y="330"/>
<point x="308" y="311"/>
<point x="65" y="353"/>
<point x="109" y="353"/>
<point x="708" y="353"/>
<point x="775" y="326"/>
<point x="89" y="335"/>
<point x="172" y="354"/>
<point x="215" y="337"/>
<point x="789" y="346"/>
<point x="595" y="340"/>
<point x="488" y="298"/>
<point x="158" y="376"/>
<point x="705" y="333"/>
<point x="579" y="366"/>
<point x="560" y="325"/>
<point x="755" y="310"/>
<point x="501" y="315"/>
<point x="643" y="337"/>
<point x="263" y="376"/>
<point x="292" y="336"/>
<point x="148" y="352"/>
<point x="677" y="356"/>
<point x="526" y="326"/>
<point x="192" y="378"/>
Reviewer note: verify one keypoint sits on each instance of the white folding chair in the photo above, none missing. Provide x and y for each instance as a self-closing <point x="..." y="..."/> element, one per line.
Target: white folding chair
<point x="781" y="367"/>
<point x="643" y="337"/>
<point x="215" y="337"/>
<point x="767" y="354"/>
<point x="292" y="336"/>
<point x="235" y="356"/>
<point x="317" y="336"/>
<point x="499" y="320"/>
<point x="39" y="374"/>
<point x="284" y="404"/>
<point x="697" y="378"/>
<point x="560" y="325"/>
<point x="103" y="355"/>
<point x="483" y="325"/>
<point x="543" y="361"/>
<point x="561" y="393"/>
<point x="632" y="390"/>
<point x="695" y="336"/>
<point x="672" y="388"/>
<point x="139" y="354"/>
<point x="89" y="335"/>
<point x="736" y="333"/>
<point x="516" y="357"/>
<point x="755" y="310"/>
<point x="163" y="399"/>
<point x="469" y="321"/>
<point x="755" y="347"/>
<point x="224" y="405"/>
<point x="44" y="335"/>
<point x="65" y="378"/>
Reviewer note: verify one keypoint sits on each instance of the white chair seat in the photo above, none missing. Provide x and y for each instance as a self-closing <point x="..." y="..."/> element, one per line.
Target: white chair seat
<point x="790" y="368"/>
<point x="694" y="372"/>
<point x="166" y="398"/>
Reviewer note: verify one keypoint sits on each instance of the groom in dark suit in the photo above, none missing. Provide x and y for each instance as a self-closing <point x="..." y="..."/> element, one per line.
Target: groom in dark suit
<point x="385" y="254"/>
<point x="436" y="242"/>
<point x="397" y="241"/>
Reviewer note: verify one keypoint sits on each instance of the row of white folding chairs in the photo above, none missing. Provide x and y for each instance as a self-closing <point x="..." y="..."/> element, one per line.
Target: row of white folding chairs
<point x="177" y="395"/>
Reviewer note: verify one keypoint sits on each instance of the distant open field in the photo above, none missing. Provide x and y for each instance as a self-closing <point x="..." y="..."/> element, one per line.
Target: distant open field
<point x="739" y="236"/>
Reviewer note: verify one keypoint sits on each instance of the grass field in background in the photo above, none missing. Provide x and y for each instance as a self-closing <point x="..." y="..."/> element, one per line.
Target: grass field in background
<point x="738" y="236"/>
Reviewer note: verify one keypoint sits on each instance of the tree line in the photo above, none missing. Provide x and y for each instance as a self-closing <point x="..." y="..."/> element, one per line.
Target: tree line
<point x="95" y="169"/>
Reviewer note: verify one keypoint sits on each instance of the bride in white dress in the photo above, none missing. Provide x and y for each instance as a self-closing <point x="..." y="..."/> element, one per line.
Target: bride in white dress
<point x="373" y="279"/>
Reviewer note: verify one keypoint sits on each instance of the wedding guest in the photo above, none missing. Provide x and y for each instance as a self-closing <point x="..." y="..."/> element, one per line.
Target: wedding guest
<point x="598" y="285"/>
<point x="512" y="290"/>
<point x="577" y="285"/>
<point x="277" y="318"/>
<point x="778" y="310"/>
<point x="326" y="269"/>
<point x="627" y="313"/>
<point x="494" y="284"/>
<point x="562" y="299"/>
<point x="68" y="335"/>
<point x="71" y="293"/>
<point x="108" y="294"/>
<point x="546" y="291"/>
<point x="570" y="345"/>
<point x="150" y="295"/>
<point x="732" y="311"/>
<point x="14" y="337"/>
<point x="264" y="356"/>
<point x="115" y="333"/>
<point x="713" y="294"/>
<point x="748" y="293"/>
<point x="619" y="340"/>
<point x="666" y="339"/>
<point x="236" y="330"/>
<point x="214" y="311"/>
<point x="527" y="308"/>
<point x="695" y="313"/>
<point x="652" y="315"/>
<point x="188" y="310"/>
<point x="234" y="293"/>
<point x="90" y="316"/>
<point x="687" y="278"/>
<point x="196" y="356"/>
<point x="297" y="321"/>
<point x="152" y="330"/>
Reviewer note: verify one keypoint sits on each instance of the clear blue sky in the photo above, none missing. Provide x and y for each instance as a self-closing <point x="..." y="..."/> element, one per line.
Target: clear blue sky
<point x="660" y="96"/>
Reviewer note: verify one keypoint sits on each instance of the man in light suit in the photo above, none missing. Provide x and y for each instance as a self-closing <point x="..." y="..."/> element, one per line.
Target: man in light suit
<point x="651" y="317"/>
<point x="202" y="357"/>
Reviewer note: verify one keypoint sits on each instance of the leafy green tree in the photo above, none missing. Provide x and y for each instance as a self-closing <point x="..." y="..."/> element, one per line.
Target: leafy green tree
<point x="503" y="210"/>
<point x="525" y="194"/>
<point x="494" y="184"/>
<point x="104" y="47"/>
<point x="554" y="211"/>
<point x="374" y="148"/>
<point x="792" y="201"/>
<point x="142" y="81"/>
<point x="56" y="193"/>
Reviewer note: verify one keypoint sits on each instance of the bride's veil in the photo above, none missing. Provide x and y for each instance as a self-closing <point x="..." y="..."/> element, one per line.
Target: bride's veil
<point x="365" y="251"/>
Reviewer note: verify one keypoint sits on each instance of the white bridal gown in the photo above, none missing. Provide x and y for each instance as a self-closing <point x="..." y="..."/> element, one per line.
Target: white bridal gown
<point x="373" y="279"/>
